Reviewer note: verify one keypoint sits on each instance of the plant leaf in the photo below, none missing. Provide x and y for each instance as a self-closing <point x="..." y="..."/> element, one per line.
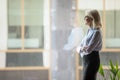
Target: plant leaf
<point x="118" y="75"/>
<point x="113" y="70"/>
<point x="117" y="66"/>
<point x="111" y="77"/>
<point x="101" y="71"/>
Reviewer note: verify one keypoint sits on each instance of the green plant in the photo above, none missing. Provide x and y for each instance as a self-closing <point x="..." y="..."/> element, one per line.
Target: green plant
<point x="114" y="71"/>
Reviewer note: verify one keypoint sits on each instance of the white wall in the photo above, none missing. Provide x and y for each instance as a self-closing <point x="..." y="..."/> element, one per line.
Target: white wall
<point x="47" y="39"/>
<point x="3" y="31"/>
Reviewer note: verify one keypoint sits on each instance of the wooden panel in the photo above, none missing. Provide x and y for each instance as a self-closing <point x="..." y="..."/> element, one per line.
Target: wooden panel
<point x="22" y="18"/>
<point x="26" y="50"/>
<point x="24" y="75"/>
<point x="23" y="68"/>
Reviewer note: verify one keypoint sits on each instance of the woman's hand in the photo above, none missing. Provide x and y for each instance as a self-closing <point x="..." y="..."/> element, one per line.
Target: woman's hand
<point x="84" y="48"/>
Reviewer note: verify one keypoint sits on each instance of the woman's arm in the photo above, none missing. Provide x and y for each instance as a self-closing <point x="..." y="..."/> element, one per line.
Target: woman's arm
<point x="93" y="42"/>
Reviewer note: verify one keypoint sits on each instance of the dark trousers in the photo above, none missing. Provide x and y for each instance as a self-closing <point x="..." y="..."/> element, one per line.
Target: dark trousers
<point x="91" y="63"/>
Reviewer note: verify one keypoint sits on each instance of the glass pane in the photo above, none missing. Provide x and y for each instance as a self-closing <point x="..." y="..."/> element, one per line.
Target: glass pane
<point x="112" y="23"/>
<point x="27" y="59"/>
<point x="94" y="4"/>
<point x="34" y="34"/>
<point x="106" y="57"/>
<point x="25" y="75"/>
<point x="14" y="24"/>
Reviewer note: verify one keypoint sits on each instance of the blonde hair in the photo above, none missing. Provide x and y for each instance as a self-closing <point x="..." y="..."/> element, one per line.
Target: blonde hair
<point x="94" y="14"/>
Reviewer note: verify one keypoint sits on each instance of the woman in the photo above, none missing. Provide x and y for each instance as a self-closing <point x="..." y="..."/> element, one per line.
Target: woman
<point x="91" y="45"/>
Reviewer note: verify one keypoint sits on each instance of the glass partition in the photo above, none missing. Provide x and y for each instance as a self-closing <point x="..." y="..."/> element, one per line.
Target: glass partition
<point x="34" y="28"/>
<point x="112" y="23"/>
<point x="14" y="24"/>
<point x="107" y="56"/>
<point x="24" y="59"/>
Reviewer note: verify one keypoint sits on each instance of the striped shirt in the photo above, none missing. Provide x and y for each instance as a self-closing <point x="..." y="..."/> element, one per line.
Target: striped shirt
<point x="92" y="41"/>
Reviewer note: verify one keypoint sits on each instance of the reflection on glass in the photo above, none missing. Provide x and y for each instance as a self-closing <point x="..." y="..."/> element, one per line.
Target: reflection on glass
<point x="112" y="23"/>
<point x="14" y="24"/>
<point x="94" y="4"/>
<point x="34" y="37"/>
<point x="74" y="39"/>
<point x="24" y="59"/>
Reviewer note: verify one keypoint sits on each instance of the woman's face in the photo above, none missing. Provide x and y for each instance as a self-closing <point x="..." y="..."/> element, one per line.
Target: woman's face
<point x="88" y="20"/>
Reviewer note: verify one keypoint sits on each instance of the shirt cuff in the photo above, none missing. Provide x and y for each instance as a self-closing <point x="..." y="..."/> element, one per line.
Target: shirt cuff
<point x="79" y="49"/>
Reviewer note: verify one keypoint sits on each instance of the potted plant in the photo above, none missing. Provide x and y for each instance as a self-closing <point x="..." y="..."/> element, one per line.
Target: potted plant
<point x="114" y="72"/>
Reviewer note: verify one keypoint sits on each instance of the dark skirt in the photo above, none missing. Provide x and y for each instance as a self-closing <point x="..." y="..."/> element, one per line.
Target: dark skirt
<point x="91" y="63"/>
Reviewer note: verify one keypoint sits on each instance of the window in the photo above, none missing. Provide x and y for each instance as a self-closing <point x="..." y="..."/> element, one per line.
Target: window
<point x="112" y="24"/>
<point x="24" y="39"/>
